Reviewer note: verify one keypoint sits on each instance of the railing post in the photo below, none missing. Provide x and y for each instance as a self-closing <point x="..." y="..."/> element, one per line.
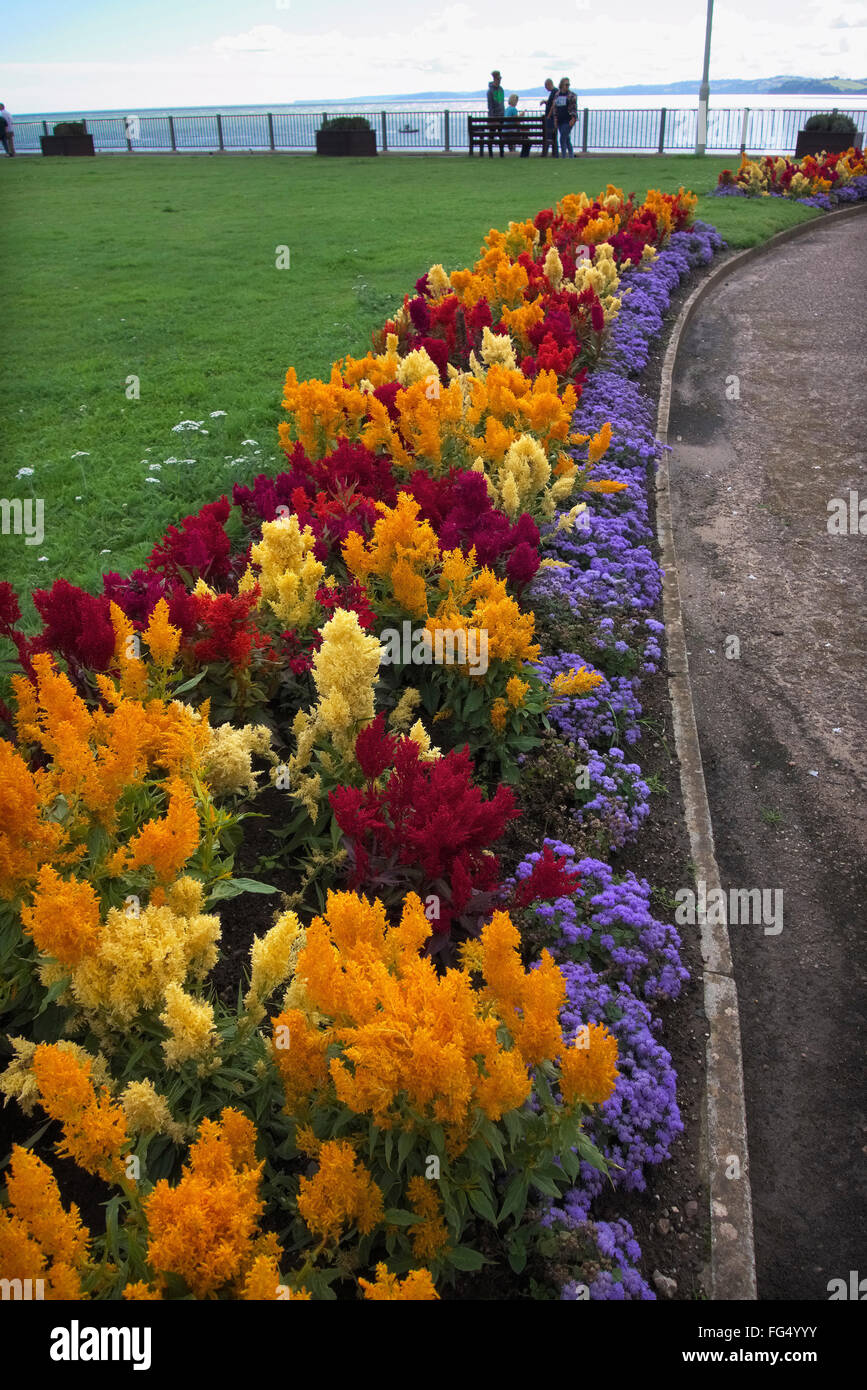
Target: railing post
<point x="45" y="127"/>
<point x="271" y="130"/>
<point x="447" y="133"/>
<point x="744" y="130"/>
<point x="384" y="134"/>
<point x="172" y="134"/>
<point x="220" y="130"/>
<point x="586" y="126"/>
<point x="661" y="131"/>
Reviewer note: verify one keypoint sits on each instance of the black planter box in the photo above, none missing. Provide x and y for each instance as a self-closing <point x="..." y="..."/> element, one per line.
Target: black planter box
<point x="66" y="144"/>
<point x="815" y="141"/>
<point x="346" y="142"/>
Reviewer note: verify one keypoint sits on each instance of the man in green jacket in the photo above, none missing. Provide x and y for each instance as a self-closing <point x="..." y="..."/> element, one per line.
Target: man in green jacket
<point x="496" y="98"/>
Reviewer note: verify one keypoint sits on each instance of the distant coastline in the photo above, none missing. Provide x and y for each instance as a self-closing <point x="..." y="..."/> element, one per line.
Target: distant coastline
<point x="774" y="90"/>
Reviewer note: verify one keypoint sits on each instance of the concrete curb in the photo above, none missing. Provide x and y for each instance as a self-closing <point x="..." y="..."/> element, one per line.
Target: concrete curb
<point x="724" y="1137"/>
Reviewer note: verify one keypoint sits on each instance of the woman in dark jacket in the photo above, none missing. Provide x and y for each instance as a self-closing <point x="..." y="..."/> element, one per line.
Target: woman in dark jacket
<point x="566" y="115"/>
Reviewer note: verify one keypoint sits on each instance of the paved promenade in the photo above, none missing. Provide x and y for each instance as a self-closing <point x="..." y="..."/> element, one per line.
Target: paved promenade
<point x="768" y="426"/>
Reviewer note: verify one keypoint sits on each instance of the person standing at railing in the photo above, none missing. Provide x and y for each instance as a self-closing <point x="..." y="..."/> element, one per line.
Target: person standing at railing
<point x="496" y="98"/>
<point x="566" y="113"/>
<point x="548" y="135"/>
<point x="6" y="136"/>
<point x="511" y="119"/>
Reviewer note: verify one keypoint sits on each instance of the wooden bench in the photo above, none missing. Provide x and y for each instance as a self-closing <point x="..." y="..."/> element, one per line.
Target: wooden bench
<point x="522" y="130"/>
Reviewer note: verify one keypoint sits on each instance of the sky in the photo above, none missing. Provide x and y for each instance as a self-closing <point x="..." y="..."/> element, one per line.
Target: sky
<point x="109" y="54"/>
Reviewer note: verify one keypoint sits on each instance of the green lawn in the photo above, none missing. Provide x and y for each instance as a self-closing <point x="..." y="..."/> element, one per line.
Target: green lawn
<point x="163" y="268"/>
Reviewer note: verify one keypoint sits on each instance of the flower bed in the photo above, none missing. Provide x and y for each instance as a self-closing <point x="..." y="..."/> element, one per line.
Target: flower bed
<point x="820" y="181"/>
<point x="431" y="1064"/>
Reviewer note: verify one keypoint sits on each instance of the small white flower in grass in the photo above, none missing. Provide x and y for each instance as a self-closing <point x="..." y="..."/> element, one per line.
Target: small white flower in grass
<point x="24" y="473"/>
<point x="187" y="425"/>
<point x="80" y="454"/>
<point x="105" y="552"/>
<point x="79" y="499"/>
<point x="155" y="468"/>
<point x="245" y="442"/>
<point x="42" y="557"/>
<point x="216" y="413"/>
<point x="152" y="480"/>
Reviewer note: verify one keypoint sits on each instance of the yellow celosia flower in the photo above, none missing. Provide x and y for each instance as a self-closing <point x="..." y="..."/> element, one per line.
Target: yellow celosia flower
<point x="27" y="837"/>
<point x="147" y="1112"/>
<point x="288" y="572"/>
<point x="271" y="959"/>
<point x="228" y="763"/>
<point x="416" y="1287"/>
<point x="401" y="716"/>
<point x="141" y="952"/>
<point x="341" y="1193"/>
<point x="421" y="738"/>
<point x="344" y="671"/>
<point x="589" y="1074"/>
<point x="191" y="1026"/>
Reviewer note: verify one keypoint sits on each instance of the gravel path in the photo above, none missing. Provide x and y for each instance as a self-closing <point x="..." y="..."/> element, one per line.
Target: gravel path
<point x="768" y="425"/>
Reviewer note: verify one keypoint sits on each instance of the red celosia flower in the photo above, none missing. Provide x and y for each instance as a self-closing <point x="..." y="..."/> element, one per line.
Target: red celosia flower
<point x="77" y="625"/>
<point x="550" y="879"/>
<point x="428" y="826"/>
<point x="199" y="548"/>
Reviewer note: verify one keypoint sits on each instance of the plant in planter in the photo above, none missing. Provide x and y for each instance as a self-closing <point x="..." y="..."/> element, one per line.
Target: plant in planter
<point x="68" y="137"/>
<point x="831" y="132"/>
<point x="346" y="135"/>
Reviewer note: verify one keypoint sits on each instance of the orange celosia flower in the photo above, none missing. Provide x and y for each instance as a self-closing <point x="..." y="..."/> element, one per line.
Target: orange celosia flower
<point x="404" y="1029"/>
<point x="26" y="839"/>
<point x="205" y="1228"/>
<point x="162" y="638"/>
<point x="529" y="1002"/>
<point x="575" y="681"/>
<point x="516" y="689"/>
<point x="499" y="710"/>
<point x="64" y="919"/>
<point x="431" y="1235"/>
<point x="94" y="1128"/>
<point x="38" y="1239"/>
<point x="341" y="1193"/>
<point x="164" y="843"/>
<point x="604" y="485"/>
<point x="589" y="1074"/>
<point x="416" y="1287"/>
<point x="141" y="1292"/>
<point x="299" y="1051"/>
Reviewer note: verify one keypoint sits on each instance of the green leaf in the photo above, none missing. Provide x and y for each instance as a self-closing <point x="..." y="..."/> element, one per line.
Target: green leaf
<point x="516" y="1197"/>
<point x="518" y="1258"/>
<point x="404" y="1146"/>
<point x="234" y="887"/>
<point x="462" y="1257"/>
<point x="545" y="1184"/>
<point x="395" y="1217"/>
<point x="482" y="1204"/>
<point x="188" y="685"/>
<point x="52" y="992"/>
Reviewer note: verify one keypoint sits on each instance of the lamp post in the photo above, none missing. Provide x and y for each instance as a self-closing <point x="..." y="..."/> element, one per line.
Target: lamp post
<point x="704" y="89"/>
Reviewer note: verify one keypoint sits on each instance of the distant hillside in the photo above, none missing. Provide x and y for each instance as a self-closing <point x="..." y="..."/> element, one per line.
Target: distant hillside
<point x="768" y="86"/>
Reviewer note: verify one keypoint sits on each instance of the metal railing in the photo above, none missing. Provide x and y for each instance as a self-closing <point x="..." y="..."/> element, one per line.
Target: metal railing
<point x="664" y="130"/>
